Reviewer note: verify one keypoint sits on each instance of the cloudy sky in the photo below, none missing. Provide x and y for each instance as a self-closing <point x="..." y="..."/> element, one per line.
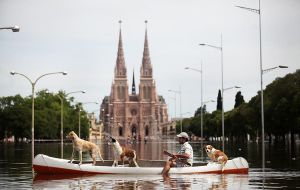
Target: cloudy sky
<point x="81" y="37"/>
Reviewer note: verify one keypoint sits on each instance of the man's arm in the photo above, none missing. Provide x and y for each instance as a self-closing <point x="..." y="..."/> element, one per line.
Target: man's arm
<point x="184" y="156"/>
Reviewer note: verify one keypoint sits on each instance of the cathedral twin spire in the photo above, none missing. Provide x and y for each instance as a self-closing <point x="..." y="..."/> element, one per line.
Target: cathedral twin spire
<point x="146" y="69"/>
<point x="120" y="68"/>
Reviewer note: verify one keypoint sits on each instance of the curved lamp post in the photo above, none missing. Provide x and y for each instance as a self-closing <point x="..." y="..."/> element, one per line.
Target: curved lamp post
<point x="13" y="28"/>
<point x="220" y="48"/>
<point x="262" y="71"/>
<point x="201" y="72"/>
<point x="33" y="83"/>
<point x="62" y="120"/>
<point x="223" y="130"/>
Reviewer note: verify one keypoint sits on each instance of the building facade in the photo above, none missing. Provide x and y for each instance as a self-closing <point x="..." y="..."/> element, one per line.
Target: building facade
<point x="96" y="128"/>
<point x="131" y="114"/>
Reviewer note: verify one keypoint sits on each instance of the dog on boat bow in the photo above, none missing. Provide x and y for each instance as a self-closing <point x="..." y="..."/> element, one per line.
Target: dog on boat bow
<point x="121" y="152"/>
<point x="81" y="145"/>
<point x="216" y="155"/>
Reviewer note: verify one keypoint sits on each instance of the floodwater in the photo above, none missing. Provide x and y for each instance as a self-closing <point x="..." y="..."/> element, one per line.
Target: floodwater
<point x="282" y="168"/>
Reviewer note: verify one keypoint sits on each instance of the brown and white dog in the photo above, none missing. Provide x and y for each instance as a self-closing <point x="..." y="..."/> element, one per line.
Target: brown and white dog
<point x="122" y="152"/>
<point x="216" y="155"/>
<point x="81" y="145"/>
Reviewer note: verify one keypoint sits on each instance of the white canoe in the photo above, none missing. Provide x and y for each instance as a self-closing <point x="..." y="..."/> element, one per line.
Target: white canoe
<point x="43" y="164"/>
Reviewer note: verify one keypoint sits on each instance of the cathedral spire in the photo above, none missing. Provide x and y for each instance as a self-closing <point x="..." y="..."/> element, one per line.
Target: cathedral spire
<point x="120" y="68"/>
<point x="133" y="92"/>
<point x="146" y="69"/>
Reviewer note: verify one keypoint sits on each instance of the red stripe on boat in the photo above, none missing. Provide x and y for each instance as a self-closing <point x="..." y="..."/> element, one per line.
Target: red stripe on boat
<point x="54" y="170"/>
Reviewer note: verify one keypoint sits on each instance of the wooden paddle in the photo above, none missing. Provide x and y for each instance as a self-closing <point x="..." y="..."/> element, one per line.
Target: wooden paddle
<point x="168" y="154"/>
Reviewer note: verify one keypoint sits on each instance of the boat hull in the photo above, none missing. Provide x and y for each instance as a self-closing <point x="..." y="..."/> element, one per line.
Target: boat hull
<point x="43" y="164"/>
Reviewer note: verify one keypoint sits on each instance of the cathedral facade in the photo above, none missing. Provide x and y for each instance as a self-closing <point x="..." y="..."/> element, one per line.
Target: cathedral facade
<point x="140" y="115"/>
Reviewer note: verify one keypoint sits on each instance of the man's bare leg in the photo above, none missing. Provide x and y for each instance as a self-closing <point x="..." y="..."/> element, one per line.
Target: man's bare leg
<point x="167" y="167"/>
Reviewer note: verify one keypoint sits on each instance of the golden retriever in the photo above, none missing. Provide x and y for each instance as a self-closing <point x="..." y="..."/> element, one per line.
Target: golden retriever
<point x="81" y="145"/>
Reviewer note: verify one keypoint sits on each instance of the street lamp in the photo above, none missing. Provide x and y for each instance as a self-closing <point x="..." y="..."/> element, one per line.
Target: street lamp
<point x="220" y="48"/>
<point x="272" y="68"/>
<point x="263" y="71"/>
<point x="82" y="103"/>
<point x="258" y="11"/>
<point x="201" y="72"/>
<point x="62" y="119"/>
<point x="223" y="130"/>
<point x="13" y="28"/>
<point x="33" y="83"/>
<point x="231" y="88"/>
<point x="179" y="92"/>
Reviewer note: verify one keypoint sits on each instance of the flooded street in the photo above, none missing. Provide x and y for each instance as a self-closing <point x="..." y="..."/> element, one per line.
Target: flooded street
<point x="282" y="168"/>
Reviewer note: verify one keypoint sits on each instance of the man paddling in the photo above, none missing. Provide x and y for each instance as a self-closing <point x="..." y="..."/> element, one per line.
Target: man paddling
<point x="183" y="158"/>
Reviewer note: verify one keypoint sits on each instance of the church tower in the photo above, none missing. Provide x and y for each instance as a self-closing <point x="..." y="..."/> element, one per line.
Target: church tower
<point x="147" y="92"/>
<point x="135" y="115"/>
<point x="120" y="86"/>
<point x="119" y="90"/>
<point x="147" y="89"/>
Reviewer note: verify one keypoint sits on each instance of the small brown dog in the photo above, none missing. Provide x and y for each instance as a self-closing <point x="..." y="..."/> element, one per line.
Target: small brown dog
<point x="122" y="152"/>
<point x="81" y="145"/>
<point x="216" y="155"/>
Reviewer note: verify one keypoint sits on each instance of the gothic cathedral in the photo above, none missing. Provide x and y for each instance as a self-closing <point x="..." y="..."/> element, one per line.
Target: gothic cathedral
<point x="140" y="115"/>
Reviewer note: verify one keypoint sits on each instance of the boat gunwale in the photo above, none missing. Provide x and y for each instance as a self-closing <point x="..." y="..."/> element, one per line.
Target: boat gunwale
<point x="43" y="166"/>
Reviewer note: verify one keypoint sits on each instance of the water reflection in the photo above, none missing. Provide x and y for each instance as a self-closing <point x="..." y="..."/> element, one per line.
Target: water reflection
<point x="253" y="180"/>
<point x="281" y="171"/>
<point x="119" y="182"/>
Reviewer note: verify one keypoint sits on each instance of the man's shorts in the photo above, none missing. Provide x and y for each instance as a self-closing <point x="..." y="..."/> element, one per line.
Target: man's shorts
<point x="181" y="164"/>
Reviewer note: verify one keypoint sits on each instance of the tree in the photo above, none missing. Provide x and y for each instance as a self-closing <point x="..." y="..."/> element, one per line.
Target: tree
<point x="15" y="116"/>
<point x="219" y="101"/>
<point x="198" y="111"/>
<point x="239" y="99"/>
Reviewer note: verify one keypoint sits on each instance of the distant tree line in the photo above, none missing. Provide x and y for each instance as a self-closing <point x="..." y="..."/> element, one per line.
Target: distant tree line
<point x="15" y="116"/>
<point x="281" y="111"/>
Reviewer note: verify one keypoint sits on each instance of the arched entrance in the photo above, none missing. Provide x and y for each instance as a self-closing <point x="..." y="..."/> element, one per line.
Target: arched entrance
<point x="120" y="131"/>
<point x="134" y="131"/>
<point x="146" y="130"/>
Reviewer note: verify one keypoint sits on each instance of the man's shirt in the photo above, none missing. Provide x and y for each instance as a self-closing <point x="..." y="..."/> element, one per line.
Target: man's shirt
<point x="186" y="148"/>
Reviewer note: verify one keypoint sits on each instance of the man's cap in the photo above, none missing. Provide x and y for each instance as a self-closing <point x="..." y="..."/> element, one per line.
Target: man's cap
<point x="184" y="135"/>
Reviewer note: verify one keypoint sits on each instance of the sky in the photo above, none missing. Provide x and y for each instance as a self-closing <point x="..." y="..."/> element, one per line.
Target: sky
<point x="81" y="37"/>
